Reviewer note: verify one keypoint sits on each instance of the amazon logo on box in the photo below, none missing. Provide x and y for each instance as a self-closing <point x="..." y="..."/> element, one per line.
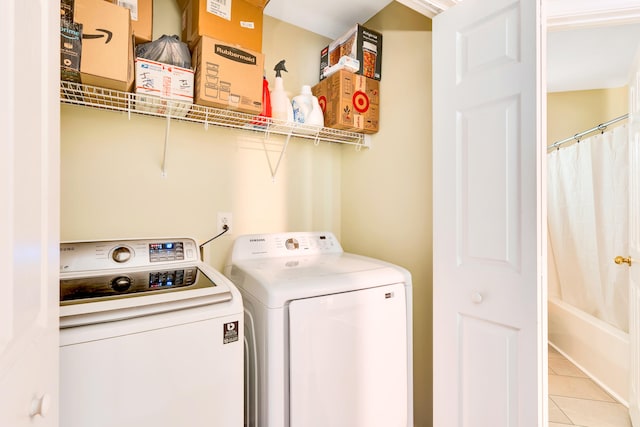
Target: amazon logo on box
<point x="107" y="44"/>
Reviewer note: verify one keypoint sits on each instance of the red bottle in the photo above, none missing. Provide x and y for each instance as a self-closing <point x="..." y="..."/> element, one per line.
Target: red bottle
<point x="266" y="104"/>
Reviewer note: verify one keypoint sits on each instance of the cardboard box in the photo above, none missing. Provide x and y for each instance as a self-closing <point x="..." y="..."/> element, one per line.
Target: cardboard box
<point x="349" y="102"/>
<point x="359" y="43"/>
<point x="70" y="50"/>
<point x="141" y="18"/>
<point x="236" y="22"/>
<point x="107" y="45"/>
<point x="227" y="76"/>
<point x="258" y="3"/>
<point x="163" y="88"/>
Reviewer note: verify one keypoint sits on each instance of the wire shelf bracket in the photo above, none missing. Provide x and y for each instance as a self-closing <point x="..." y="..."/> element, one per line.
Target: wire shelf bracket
<point x="140" y="104"/>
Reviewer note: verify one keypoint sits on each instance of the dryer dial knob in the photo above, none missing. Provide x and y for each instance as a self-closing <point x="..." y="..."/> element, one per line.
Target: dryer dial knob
<point x="121" y="254"/>
<point x="121" y="283"/>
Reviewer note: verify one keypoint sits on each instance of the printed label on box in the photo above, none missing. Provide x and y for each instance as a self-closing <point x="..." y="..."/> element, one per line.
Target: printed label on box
<point x="132" y="5"/>
<point x="221" y="8"/>
<point x="234" y="54"/>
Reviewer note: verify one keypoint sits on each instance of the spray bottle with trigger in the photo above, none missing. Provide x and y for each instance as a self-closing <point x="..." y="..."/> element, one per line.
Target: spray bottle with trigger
<point x="262" y="119"/>
<point x="281" y="108"/>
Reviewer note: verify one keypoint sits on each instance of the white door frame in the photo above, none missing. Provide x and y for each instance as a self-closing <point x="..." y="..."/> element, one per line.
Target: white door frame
<point x="29" y="213"/>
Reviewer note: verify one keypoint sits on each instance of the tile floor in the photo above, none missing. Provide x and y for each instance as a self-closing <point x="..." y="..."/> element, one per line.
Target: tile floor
<point x="576" y="400"/>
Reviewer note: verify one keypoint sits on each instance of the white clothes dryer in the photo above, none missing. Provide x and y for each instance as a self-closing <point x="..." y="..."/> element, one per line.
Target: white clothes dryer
<point x="328" y="333"/>
<point x="149" y="336"/>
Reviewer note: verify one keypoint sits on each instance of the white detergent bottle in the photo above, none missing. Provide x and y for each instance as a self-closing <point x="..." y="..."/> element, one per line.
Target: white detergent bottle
<point x="302" y="105"/>
<point x="316" y="117"/>
<point x="281" y="108"/>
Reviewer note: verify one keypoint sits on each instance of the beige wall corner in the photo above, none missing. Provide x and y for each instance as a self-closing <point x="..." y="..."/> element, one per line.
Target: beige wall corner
<point x="569" y="113"/>
<point x="386" y="191"/>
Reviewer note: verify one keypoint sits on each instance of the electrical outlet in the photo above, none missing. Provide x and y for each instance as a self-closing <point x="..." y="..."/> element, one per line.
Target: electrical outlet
<point x="224" y="218"/>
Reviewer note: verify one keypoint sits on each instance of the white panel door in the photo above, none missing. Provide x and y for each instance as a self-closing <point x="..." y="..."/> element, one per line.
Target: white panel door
<point x="489" y="293"/>
<point x="634" y="243"/>
<point x="29" y="220"/>
<point x="348" y="360"/>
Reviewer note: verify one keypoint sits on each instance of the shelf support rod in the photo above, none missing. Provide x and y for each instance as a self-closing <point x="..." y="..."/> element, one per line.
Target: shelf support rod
<point x="266" y="152"/>
<point x="129" y="106"/>
<point x="166" y="146"/>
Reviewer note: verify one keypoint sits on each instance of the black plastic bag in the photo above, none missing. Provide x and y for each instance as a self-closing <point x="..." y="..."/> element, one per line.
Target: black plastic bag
<point x="166" y="49"/>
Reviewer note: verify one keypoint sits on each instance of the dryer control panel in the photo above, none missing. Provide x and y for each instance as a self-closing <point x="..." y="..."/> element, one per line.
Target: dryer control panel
<point x="255" y="246"/>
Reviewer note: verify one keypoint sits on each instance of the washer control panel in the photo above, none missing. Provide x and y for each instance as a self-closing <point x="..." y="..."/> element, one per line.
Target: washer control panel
<point x="106" y="255"/>
<point x="257" y="246"/>
<point x="127" y="282"/>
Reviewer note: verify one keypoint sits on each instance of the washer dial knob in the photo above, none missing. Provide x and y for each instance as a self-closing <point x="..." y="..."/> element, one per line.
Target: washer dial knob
<point x="121" y="254"/>
<point x="121" y="283"/>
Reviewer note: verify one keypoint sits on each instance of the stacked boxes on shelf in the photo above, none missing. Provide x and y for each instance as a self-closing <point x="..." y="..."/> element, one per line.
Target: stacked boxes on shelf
<point x="349" y="88"/>
<point x="226" y="41"/>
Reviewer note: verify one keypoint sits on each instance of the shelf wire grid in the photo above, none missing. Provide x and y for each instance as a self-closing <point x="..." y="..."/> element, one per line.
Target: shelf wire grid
<point x="142" y="104"/>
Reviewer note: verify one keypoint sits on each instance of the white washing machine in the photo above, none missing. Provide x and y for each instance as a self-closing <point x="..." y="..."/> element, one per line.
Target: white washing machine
<point x="328" y="332"/>
<point x="149" y="336"/>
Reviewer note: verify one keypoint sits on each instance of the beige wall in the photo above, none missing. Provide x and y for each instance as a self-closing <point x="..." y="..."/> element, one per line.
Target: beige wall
<point x="398" y="17"/>
<point x="386" y="192"/>
<point x="569" y="113"/>
<point x="111" y="166"/>
<point x="377" y="201"/>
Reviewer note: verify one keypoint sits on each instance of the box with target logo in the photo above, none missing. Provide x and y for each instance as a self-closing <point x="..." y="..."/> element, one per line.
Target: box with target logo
<point x="349" y="102"/>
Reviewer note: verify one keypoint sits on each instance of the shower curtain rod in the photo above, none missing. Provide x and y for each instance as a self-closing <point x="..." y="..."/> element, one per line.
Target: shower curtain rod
<point x="577" y="136"/>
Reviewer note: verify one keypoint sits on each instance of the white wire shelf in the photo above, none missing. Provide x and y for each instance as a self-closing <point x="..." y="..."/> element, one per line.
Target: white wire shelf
<point x="131" y="103"/>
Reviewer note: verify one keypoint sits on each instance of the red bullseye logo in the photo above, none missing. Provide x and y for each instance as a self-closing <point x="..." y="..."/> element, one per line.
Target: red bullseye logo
<point x="322" y="100"/>
<point x="360" y="101"/>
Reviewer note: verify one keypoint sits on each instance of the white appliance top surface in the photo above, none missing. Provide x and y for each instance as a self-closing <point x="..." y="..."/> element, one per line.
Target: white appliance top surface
<point x="262" y="266"/>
